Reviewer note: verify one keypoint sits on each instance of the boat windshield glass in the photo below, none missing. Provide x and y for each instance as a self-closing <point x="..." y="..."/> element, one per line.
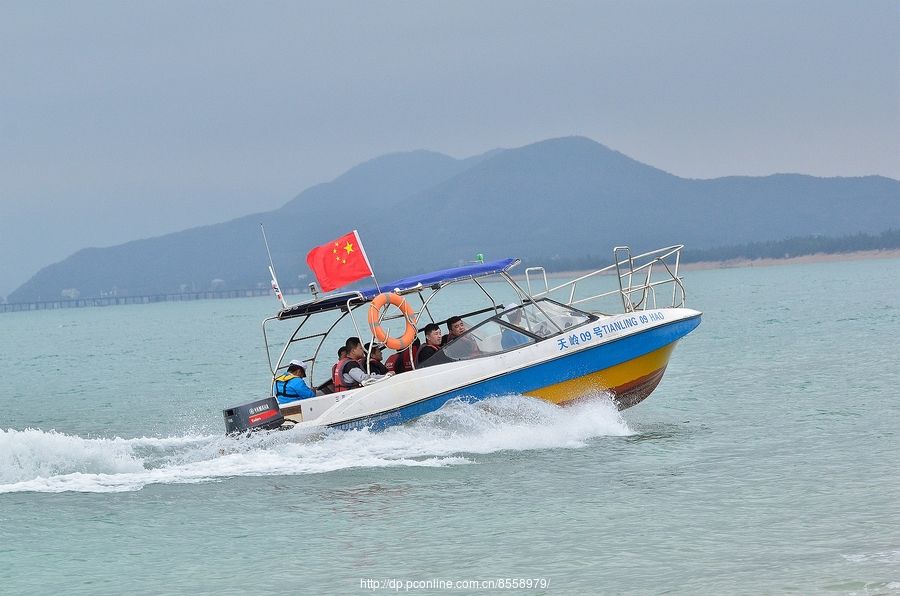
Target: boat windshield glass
<point x="490" y="337"/>
<point x="514" y="328"/>
<point x="531" y="319"/>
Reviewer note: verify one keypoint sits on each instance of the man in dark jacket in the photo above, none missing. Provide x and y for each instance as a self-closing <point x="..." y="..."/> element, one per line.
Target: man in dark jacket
<point x="376" y="366"/>
<point x="432" y="343"/>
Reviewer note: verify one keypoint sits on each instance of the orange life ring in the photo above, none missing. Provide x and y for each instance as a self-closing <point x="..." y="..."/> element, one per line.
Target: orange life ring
<point x="409" y="335"/>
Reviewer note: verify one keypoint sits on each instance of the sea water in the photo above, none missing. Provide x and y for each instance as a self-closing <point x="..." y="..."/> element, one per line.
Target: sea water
<point x="767" y="461"/>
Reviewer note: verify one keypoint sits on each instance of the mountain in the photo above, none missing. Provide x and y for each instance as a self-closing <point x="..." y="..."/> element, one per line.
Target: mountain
<point x="416" y="211"/>
<point x="233" y="251"/>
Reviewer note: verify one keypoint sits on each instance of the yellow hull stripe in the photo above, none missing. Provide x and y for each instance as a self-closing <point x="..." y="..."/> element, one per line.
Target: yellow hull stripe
<point x="607" y="379"/>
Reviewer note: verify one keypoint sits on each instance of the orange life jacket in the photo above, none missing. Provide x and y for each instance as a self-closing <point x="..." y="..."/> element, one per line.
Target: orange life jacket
<point x="337" y="375"/>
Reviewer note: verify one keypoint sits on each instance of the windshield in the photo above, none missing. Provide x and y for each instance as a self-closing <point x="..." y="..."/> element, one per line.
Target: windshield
<point x="514" y="328"/>
<point x="551" y="318"/>
<point x="490" y="337"/>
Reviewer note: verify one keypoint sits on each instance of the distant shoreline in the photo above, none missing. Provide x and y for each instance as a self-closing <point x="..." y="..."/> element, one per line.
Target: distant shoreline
<point x="690" y="266"/>
<point x="821" y="257"/>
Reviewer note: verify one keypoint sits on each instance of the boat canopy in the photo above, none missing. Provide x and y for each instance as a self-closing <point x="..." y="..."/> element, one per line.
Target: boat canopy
<point x="434" y="279"/>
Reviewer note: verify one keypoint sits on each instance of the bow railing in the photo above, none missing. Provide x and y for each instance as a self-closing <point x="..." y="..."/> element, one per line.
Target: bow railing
<point x="631" y="283"/>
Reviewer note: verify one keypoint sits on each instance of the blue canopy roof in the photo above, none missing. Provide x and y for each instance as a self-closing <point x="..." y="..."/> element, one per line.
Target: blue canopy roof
<point x="441" y="277"/>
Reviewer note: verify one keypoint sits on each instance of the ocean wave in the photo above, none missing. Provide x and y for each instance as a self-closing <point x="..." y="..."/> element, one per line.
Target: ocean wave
<point x="891" y="556"/>
<point x="46" y="461"/>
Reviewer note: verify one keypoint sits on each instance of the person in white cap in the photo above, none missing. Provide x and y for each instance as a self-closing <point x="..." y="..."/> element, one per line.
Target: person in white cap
<point x="291" y="386"/>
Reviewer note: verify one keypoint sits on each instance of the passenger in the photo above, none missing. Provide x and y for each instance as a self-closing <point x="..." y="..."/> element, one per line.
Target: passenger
<point x="342" y="351"/>
<point x="402" y="360"/>
<point x="291" y="386"/>
<point x="455" y="327"/>
<point x="348" y="374"/>
<point x="391" y="362"/>
<point x="375" y="357"/>
<point x="509" y="338"/>
<point x="467" y="347"/>
<point x="432" y="343"/>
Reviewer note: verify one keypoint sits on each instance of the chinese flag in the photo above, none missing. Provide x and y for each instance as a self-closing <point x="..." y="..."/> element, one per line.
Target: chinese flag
<point x="339" y="262"/>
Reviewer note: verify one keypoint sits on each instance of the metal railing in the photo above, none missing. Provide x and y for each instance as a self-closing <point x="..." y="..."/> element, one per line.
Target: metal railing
<point x="638" y="279"/>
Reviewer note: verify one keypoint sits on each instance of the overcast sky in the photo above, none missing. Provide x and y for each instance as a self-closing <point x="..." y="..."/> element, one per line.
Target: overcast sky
<point x="121" y="120"/>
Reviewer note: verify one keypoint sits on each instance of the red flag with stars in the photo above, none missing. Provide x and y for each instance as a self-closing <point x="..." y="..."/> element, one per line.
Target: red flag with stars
<point x="339" y="262"/>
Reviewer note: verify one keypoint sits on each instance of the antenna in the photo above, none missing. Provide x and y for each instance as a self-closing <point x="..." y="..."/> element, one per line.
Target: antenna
<point x="275" y="287"/>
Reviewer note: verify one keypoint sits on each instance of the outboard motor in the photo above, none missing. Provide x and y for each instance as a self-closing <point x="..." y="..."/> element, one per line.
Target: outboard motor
<point x="263" y="414"/>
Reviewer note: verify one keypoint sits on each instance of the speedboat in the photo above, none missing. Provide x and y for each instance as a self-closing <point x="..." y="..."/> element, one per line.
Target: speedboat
<point x="608" y="333"/>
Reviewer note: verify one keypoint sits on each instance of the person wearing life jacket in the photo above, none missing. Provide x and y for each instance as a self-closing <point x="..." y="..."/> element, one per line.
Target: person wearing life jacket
<point x="402" y="360"/>
<point x="375" y="357"/>
<point x="291" y="386"/>
<point x="342" y="352"/>
<point x="391" y="363"/>
<point x="432" y="343"/>
<point x="348" y="374"/>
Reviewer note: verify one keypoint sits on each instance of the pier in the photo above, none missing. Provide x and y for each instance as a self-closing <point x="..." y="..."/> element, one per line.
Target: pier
<point x="119" y="300"/>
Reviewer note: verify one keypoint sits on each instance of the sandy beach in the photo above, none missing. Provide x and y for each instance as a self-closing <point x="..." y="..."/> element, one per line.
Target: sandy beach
<point x="813" y="258"/>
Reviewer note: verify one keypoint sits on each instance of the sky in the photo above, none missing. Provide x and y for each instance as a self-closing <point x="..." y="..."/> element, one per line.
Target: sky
<point x="126" y="120"/>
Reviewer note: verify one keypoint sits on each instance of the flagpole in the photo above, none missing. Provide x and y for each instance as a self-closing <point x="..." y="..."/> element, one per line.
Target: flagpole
<point x="275" y="286"/>
<point x="368" y="264"/>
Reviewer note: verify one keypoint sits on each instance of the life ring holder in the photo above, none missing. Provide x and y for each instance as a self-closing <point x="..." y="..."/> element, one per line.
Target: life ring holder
<point x="409" y="334"/>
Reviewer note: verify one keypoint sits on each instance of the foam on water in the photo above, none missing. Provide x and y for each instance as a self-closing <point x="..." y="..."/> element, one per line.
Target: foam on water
<point x="891" y="556"/>
<point x="42" y="461"/>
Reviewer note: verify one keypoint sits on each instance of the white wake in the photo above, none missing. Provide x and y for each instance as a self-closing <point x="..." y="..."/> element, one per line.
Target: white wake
<point x="47" y="461"/>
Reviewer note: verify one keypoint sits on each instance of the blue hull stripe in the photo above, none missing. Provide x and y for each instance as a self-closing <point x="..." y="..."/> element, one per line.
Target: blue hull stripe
<point x="551" y="372"/>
